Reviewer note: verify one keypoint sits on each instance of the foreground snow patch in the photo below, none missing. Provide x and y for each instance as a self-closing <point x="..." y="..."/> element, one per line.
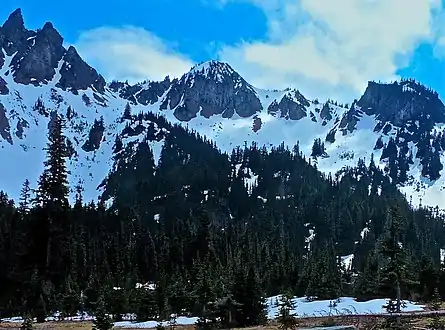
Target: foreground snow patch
<point x="343" y="306"/>
<point x="304" y="308"/>
<point x="181" y="320"/>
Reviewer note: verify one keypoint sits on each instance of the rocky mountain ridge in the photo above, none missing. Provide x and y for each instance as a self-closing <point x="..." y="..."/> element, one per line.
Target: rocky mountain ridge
<point x="400" y="123"/>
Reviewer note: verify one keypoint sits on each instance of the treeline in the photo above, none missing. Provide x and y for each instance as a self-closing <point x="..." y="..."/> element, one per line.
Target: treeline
<point x="212" y="234"/>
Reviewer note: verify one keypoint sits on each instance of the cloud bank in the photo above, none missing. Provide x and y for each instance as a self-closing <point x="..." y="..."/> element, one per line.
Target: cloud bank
<point x="335" y="47"/>
<point x="131" y="53"/>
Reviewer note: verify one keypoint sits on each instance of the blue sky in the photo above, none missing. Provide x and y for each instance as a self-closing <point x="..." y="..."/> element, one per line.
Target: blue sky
<point x="324" y="48"/>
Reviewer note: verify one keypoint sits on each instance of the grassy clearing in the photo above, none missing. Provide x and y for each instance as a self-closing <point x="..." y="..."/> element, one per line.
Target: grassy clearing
<point x="361" y="323"/>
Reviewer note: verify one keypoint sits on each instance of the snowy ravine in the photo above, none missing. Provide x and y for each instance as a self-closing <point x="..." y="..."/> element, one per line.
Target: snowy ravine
<point x="304" y="308"/>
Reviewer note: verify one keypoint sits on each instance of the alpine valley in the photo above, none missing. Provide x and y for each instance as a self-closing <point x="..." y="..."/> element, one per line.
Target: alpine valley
<point x="400" y="124"/>
<point x="197" y="197"/>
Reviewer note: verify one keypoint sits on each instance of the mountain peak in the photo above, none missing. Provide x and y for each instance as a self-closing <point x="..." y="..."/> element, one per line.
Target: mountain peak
<point x="401" y="101"/>
<point x="14" y="33"/>
<point x="212" y="65"/>
<point x="213" y="69"/>
<point x="14" y="21"/>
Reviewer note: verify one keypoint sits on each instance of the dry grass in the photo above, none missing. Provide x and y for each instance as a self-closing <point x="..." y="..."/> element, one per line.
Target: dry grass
<point x="361" y="323"/>
<point x="51" y="326"/>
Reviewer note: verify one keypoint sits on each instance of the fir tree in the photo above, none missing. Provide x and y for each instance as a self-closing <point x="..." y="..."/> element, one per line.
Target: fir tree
<point x="248" y="294"/>
<point x="146" y="307"/>
<point x="286" y="317"/>
<point x="27" y="323"/>
<point x="101" y="321"/>
<point x="393" y="273"/>
<point x="127" y="112"/>
<point x="25" y="196"/>
<point x="52" y="198"/>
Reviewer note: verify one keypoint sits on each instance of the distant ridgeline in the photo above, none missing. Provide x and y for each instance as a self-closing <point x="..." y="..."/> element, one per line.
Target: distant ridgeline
<point x="207" y="227"/>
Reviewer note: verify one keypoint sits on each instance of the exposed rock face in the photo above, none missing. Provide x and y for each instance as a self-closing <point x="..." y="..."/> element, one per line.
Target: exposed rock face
<point x="14" y="35"/>
<point x="257" y="123"/>
<point x="38" y="54"/>
<point x="152" y="94"/>
<point x="3" y="87"/>
<point x="95" y="136"/>
<point x="77" y="75"/>
<point x="402" y="101"/>
<point x="326" y="112"/>
<point x="2" y="55"/>
<point x="349" y="121"/>
<point x="21" y="125"/>
<point x="41" y="60"/>
<point x="211" y="88"/>
<point x="145" y="93"/>
<point x="292" y="106"/>
<point x="5" y="128"/>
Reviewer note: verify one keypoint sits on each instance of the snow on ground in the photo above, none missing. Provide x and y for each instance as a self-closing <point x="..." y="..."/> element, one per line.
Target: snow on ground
<point x="345" y="305"/>
<point x="26" y="155"/>
<point x="346" y="261"/>
<point x="181" y="320"/>
<point x="304" y="308"/>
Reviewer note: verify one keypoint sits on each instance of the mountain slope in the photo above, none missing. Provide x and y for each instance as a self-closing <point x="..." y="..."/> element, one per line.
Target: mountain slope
<point x="401" y="123"/>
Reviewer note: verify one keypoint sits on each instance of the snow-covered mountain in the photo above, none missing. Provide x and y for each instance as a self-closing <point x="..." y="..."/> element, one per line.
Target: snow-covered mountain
<point x="401" y="123"/>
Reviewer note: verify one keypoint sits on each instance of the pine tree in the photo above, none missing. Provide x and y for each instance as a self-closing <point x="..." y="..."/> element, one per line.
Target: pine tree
<point x="27" y="323"/>
<point x="367" y="282"/>
<point x="127" y="112"/>
<point x="393" y="273"/>
<point x="248" y="294"/>
<point x="70" y="300"/>
<point x="40" y="310"/>
<point x="101" y="321"/>
<point x="436" y="302"/>
<point x="286" y="317"/>
<point x="25" y="197"/>
<point x="52" y="199"/>
<point x="146" y="307"/>
<point x="225" y="310"/>
<point x="53" y="183"/>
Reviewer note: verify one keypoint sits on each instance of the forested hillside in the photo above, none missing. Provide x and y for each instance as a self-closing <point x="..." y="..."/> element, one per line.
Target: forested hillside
<point x="205" y="229"/>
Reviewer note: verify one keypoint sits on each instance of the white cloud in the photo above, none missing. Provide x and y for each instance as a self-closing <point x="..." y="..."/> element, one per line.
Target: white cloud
<point x="333" y="48"/>
<point x="130" y="53"/>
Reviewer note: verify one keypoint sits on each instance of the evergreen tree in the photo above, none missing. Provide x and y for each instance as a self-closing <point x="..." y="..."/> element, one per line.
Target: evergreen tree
<point x="52" y="199"/>
<point x="393" y="276"/>
<point x="102" y="321"/>
<point x="25" y="197"/>
<point x="248" y="294"/>
<point x="286" y="317"/>
<point x="146" y="306"/>
<point x="27" y="323"/>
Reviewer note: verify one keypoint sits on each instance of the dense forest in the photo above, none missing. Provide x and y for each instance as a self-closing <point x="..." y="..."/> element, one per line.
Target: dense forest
<point x="210" y="233"/>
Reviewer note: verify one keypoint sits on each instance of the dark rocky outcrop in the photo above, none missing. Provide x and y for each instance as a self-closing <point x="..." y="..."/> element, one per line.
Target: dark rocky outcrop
<point x="40" y="61"/>
<point x="154" y="91"/>
<point x="3" y="87"/>
<point x="77" y="75"/>
<point x="95" y="136"/>
<point x="2" y="55"/>
<point x="37" y="56"/>
<point x="212" y="88"/>
<point x="326" y="112"/>
<point x="5" y="128"/>
<point x="257" y="123"/>
<point x="15" y="37"/>
<point x="144" y="93"/>
<point x="349" y="120"/>
<point x="292" y="106"/>
<point x="402" y="101"/>
<point x="21" y="125"/>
